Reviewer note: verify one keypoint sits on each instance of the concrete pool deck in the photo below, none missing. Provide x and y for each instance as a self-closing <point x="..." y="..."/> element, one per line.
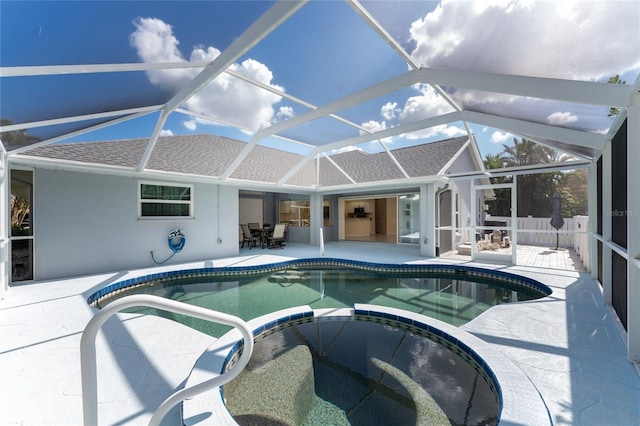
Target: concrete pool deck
<point x="569" y="344"/>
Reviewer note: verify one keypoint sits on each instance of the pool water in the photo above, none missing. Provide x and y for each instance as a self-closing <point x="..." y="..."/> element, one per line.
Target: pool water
<point x="452" y="298"/>
<point x="364" y="373"/>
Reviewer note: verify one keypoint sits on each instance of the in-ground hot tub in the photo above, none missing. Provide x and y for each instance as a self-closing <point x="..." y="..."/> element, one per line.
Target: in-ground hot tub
<point x="370" y="365"/>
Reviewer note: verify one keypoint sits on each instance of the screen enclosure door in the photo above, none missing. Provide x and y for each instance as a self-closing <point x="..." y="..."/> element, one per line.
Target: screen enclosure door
<point x="494" y="223"/>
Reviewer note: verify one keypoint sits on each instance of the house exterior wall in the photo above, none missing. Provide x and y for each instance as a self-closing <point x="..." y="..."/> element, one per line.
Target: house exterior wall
<point x="251" y="210"/>
<point x="88" y="223"/>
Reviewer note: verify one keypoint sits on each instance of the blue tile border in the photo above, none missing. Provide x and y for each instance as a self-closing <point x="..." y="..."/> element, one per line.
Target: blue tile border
<point x="265" y="330"/>
<point x="469" y="272"/>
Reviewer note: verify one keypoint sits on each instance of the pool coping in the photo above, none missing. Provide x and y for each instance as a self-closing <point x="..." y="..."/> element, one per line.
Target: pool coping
<point x="520" y="401"/>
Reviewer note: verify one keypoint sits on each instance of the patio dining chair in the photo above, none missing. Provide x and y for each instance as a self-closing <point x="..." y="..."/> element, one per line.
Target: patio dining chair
<point x="276" y="240"/>
<point x="256" y="229"/>
<point x="247" y="236"/>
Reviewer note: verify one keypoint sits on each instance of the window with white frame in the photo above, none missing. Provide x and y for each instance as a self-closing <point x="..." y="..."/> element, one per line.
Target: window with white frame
<point x="161" y="200"/>
<point x="294" y="212"/>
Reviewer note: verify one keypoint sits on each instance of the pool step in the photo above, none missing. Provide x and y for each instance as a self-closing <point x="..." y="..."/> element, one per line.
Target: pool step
<point x="281" y="391"/>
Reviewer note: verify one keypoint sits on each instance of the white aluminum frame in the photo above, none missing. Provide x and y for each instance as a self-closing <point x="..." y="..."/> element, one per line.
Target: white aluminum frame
<point x="175" y="185"/>
<point x="513" y="228"/>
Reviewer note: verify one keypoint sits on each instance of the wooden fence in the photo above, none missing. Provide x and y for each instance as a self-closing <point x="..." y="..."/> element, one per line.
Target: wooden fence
<point x="537" y="231"/>
<point x="581" y="241"/>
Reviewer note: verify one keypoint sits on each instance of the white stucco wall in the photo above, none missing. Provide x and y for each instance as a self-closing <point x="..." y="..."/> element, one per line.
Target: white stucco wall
<point x="251" y="210"/>
<point x="88" y="223"/>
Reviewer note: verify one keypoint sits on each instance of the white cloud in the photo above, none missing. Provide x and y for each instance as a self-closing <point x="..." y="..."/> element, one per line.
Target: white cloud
<point x="441" y="130"/>
<point x="166" y="132"/>
<point x="562" y="39"/>
<point x="425" y="104"/>
<point x="560" y="118"/>
<point x="154" y="42"/>
<point x="191" y="125"/>
<point x="226" y="99"/>
<point x="500" y="137"/>
<point x="435" y="131"/>
<point x="344" y="149"/>
<point x="452" y="131"/>
<point x="389" y="110"/>
<point x="374" y="126"/>
<point x="284" y="113"/>
<point x="573" y="40"/>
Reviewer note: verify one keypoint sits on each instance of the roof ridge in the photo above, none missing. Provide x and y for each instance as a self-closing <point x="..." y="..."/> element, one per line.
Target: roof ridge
<point x="449" y="140"/>
<point x="146" y="139"/>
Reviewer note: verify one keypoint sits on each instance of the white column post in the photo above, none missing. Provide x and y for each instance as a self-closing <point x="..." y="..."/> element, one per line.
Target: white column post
<point x="593" y="219"/>
<point x="606" y="225"/>
<point x="428" y="220"/>
<point x="633" y="229"/>
<point x="315" y="204"/>
<point x="514" y="221"/>
<point x="5" y="264"/>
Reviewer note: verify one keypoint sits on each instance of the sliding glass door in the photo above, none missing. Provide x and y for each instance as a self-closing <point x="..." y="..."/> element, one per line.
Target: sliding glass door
<point x="409" y="219"/>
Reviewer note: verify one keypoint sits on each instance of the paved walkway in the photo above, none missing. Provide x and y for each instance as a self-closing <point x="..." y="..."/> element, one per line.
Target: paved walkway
<point x="537" y="256"/>
<point x="569" y="344"/>
<point x="548" y="257"/>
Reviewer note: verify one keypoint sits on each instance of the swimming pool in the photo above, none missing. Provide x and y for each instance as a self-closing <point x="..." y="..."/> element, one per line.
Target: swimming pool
<point x="402" y="295"/>
<point x="454" y="294"/>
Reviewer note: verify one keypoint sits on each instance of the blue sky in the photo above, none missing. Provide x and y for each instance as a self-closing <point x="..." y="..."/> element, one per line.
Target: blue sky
<point x="324" y="52"/>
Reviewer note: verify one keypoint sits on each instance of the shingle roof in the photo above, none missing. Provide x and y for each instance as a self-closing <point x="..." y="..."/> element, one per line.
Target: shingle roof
<point x="428" y="159"/>
<point x="202" y="154"/>
<point x="363" y="167"/>
<point x="418" y="161"/>
<point x="210" y="155"/>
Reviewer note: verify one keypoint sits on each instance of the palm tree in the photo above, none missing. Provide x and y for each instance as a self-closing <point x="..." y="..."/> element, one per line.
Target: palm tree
<point x="534" y="190"/>
<point x="526" y="152"/>
<point x="493" y="161"/>
<point x="500" y="205"/>
<point x="16" y="138"/>
<point x="615" y="80"/>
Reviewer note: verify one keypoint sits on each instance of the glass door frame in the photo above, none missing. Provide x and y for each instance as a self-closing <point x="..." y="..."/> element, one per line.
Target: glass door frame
<point x="408" y="207"/>
<point x="514" y="219"/>
<point x="30" y="238"/>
